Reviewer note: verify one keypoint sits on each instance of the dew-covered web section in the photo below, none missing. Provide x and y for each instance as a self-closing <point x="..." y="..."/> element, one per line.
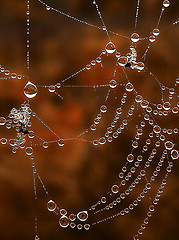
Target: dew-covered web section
<point x="120" y="107"/>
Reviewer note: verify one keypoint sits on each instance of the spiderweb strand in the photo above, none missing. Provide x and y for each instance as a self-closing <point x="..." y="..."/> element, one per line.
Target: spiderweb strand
<point x="137" y="13"/>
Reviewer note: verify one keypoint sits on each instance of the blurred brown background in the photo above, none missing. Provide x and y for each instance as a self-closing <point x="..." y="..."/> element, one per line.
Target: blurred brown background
<point x="78" y="174"/>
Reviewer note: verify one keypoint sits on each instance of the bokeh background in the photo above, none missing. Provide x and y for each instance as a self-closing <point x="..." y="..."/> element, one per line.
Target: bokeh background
<point x="78" y="174"/>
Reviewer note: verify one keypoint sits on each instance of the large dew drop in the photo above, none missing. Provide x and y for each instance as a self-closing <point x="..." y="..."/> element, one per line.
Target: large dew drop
<point x="169" y="145"/>
<point x="64" y="222"/>
<point x="82" y="216"/>
<point x="2" y="121"/>
<point x="30" y="90"/>
<point x="51" y="206"/>
<point x="174" y="154"/>
<point x="135" y="37"/>
<point x="110" y="48"/>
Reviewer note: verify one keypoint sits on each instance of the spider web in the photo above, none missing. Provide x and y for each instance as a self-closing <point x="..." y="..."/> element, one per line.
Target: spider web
<point x="83" y="138"/>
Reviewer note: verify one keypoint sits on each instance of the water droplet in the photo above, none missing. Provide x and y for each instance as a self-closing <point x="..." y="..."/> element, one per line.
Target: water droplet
<point x="63" y="212"/>
<point x="129" y="87"/>
<point x="166" y="3"/>
<point x="130" y="157"/>
<point x="152" y="38"/>
<point x="157" y="129"/>
<point x="103" y="199"/>
<point x="86" y="226"/>
<point x="64" y="222"/>
<point x="45" y="144"/>
<point x="110" y="48"/>
<point x="82" y="216"/>
<point x="72" y="217"/>
<point x="61" y="142"/>
<point x="174" y="154"/>
<point x="88" y="66"/>
<point x="58" y="85"/>
<point x="51" y="206"/>
<point x="79" y="226"/>
<point x="103" y="109"/>
<point x="156" y="32"/>
<point x="166" y="105"/>
<point x="113" y="83"/>
<point x="138" y="98"/>
<point x="3" y="141"/>
<point x="122" y="61"/>
<point x="30" y="90"/>
<point x="48" y="8"/>
<point x="95" y="142"/>
<point x="135" y="37"/>
<point x="169" y="145"/>
<point x="115" y="189"/>
<point x="37" y="238"/>
<point x="29" y="151"/>
<point x="102" y="140"/>
<point x="140" y="66"/>
<point x="98" y="59"/>
<point x="144" y="104"/>
<point x="2" y="121"/>
<point x="51" y="88"/>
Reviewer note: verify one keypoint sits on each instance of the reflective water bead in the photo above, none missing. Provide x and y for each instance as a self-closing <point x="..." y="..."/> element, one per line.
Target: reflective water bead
<point x="115" y="189"/>
<point x="61" y="142"/>
<point x="45" y="144"/>
<point x="36" y="238"/>
<point x="98" y="59"/>
<point x="64" y="222"/>
<point x="140" y="66"/>
<point x="13" y="75"/>
<point x="51" y="206"/>
<point x="82" y="216"/>
<point x="93" y="127"/>
<point x="144" y="104"/>
<point x="95" y="142"/>
<point x="113" y="83"/>
<point x="58" y="85"/>
<point x="103" y="199"/>
<point x="157" y="129"/>
<point x="174" y="154"/>
<point x="72" y="225"/>
<point x="130" y="157"/>
<point x="166" y="3"/>
<point x="152" y="38"/>
<point x="135" y="37"/>
<point x="3" y="141"/>
<point x="72" y="217"/>
<point x="167" y="105"/>
<point x="63" y="211"/>
<point x="129" y="87"/>
<point x="169" y="145"/>
<point x="48" y="8"/>
<point x="2" y="121"/>
<point x="88" y="66"/>
<point x="30" y="90"/>
<point x="138" y="98"/>
<point x="103" y="109"/>
<point x="122" y="61"/>
<point x="79" y="226"/>
<point x="110" y="48"/>
<point x="29" y="151"/>
<point x="156" y="32"/>
<point x="102" y="140"/>
<point x="135" y="144"/>
<point x="31" y="134"/>
<point x="51" y="88"/>
<point x="86" y="226"/>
